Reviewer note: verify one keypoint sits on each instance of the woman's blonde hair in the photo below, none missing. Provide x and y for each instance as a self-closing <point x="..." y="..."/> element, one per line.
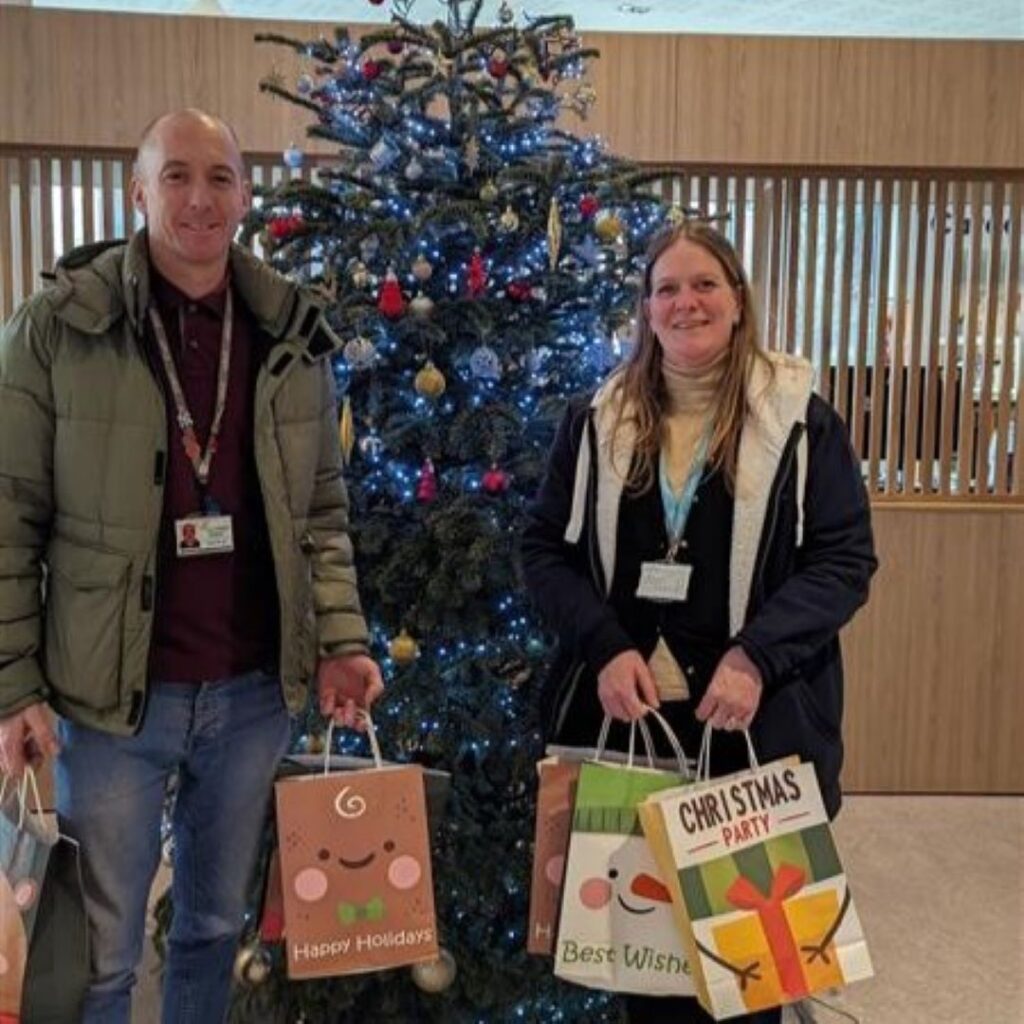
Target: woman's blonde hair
<point x="639" y="386"/>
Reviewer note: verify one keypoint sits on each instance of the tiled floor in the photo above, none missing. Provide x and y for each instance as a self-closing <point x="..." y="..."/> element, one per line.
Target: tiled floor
<point x="939" y="885"/>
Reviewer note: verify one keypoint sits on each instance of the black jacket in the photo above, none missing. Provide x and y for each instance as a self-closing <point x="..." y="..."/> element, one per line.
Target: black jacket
<point x="799" y="595"/>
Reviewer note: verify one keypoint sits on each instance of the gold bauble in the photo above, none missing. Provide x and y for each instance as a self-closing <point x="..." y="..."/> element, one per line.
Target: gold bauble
<point x="430" y="381"/>
<point x="608" y="228"/>
<point x="422" y="269"/>
<point x="347" y="430"/>
<point x="488" y="192"/>
<point x="435" y="975"/>
<point x="403" y="649"/>
<point x="509" y="220"/>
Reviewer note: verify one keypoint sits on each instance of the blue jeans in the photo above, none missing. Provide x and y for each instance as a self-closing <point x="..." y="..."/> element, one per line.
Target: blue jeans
<point x="224" y="740"/>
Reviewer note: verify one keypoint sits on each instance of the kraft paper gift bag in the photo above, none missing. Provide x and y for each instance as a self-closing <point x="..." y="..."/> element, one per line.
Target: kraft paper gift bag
<point x="615" y="930"/>
<point x="355" y="870"/>
<point x="557" y="774"/>
<point x="758" y="889"/>
<point x="44" y="951"/>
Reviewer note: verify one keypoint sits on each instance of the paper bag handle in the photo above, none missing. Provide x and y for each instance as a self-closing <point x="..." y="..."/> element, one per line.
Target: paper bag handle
<point x="602" y="740"/>
<point x="704" y="757"/>
<point x="371" y="734"/>
<point x="27" y="781"/>
<point x="673" y="741"/>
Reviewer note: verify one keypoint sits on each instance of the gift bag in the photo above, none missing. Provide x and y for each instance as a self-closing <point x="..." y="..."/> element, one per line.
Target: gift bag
<point x="759" y="891"/>
<point x="355" y="869"/>
<point x="556" y="789"/>
<point x="615" y="930"/>
<point x="44" y="953"/>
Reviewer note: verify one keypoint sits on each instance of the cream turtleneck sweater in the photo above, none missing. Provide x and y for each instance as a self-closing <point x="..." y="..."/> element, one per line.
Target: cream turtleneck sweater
<point x="691" y="400"/>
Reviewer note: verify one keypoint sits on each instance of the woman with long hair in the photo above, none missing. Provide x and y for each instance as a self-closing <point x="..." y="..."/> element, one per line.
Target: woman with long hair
<point x="701" y="535"/>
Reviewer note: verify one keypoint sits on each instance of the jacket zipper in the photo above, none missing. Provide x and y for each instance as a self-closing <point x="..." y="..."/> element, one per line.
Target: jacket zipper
<point x="773" y="505"/>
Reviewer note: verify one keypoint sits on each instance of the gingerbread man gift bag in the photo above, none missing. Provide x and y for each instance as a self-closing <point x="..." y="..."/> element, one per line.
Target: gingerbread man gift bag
<point x="355" y="870"/>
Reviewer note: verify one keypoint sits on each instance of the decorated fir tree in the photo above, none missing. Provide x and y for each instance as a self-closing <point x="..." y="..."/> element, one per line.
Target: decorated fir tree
<point x="481" y="264"/>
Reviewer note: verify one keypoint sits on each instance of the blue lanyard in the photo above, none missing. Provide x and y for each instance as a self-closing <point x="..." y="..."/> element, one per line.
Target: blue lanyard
<point x="677" y="506"/>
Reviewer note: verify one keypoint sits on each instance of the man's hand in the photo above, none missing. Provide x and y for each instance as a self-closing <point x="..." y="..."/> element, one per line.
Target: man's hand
<point x="625" y="685"/>
<point x="26" y="738"/>
<point x="734" y="693"/>
<point x="346" y="684"/>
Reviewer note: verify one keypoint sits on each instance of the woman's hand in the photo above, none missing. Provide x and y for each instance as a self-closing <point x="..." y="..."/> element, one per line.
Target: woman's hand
<point x="625" y="685"/>
<point x="734" y="693"/>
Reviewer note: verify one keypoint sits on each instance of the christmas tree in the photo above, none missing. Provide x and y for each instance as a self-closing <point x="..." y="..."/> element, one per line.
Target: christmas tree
<point x="481" y="264"/>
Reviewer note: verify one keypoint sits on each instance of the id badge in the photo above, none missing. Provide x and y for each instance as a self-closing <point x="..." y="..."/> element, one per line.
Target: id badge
<point x="203" y="535"/>
<point x="664" y="581"/>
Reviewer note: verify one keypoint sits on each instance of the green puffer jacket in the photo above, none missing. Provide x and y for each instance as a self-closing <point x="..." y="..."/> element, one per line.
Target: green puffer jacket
<point x="83" y="439"/>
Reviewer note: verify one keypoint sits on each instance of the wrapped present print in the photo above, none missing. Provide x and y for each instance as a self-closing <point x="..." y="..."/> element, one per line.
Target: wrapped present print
<point x="758" y="889"/>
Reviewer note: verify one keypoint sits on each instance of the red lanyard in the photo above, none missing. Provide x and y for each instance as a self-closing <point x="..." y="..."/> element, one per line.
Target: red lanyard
<point x="199" y="458"/>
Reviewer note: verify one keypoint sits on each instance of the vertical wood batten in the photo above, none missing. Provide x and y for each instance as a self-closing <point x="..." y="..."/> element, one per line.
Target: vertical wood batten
<point x="933" y="375"/>
<point x="952" y="371"/>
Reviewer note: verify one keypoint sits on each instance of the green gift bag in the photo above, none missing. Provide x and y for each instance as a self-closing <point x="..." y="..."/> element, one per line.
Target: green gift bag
<point x="615" y="930"/>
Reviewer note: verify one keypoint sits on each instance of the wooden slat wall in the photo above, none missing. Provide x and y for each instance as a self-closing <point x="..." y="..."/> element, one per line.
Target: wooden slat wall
<point x="668" y="98"/>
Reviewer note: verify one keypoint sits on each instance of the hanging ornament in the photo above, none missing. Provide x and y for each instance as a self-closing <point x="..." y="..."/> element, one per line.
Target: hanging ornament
<point x="505" y="15"/>
<point x="497" y="66"/>
<point x="608" y="227"/>
<point x="426" y="483"/>
<point x="588" y="206"/>
<point x="588" y="252"/>
<point x="359" y="275"/>
<point x="430" y="382"/>
<point x="346" y="430"/>
<point x="518" y="290"/>
<point x="403" y="649"/>
<point x="495" y="480"/>
<point x="675" y="216"/>
<point x="422" y="268"/>
<point x="293" y="157"/>
<point x="471" y="154"/>
<point x="414" y="169"/>
<point x="421" y="306"/>
<point x="304" y="84"/>
<point x="376" y="3"/>
<point x="554" y="233"/>
<point x="252" y="964"/>
<point x="371" y="70"/>
<point x="359" y="353"/>
<point x="485" y="363"/>
<point x="476" y="282"/>
<point x="368" y="247"/>
<point x="371" y="446"/>
<point x="586" y="95"/>
<point x="383" y="153"/>
<point x="509" y="220"/>
<point x="389" y="300"/>
<point x="395" y="46"/>
<point x="488" y="192"/>
<point x="285" y="226"/>
<point x="434" y="976"/>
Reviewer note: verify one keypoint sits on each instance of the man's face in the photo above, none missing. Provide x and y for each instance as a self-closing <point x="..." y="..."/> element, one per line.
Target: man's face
<point x="190" y="188"/>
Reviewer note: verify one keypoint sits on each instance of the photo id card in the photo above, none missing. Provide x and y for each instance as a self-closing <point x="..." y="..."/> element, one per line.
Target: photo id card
<point x="664" y="581"/>
<point x="203" y="535"/>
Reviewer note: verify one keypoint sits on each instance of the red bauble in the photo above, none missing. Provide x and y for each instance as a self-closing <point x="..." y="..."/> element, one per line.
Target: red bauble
<point x="518" y="290"/>
<point x="497" y="67"/>
<point x="371" y="70"/>
<point x="589" y="206"/>
<point x="495" y="481"/>
<point x="280" y="228"/>
<point x="376" y="3"/>
<point x="395" y="46"/>
<point x="476" y="282"/>
<point x="426" y="486"/>
<point x="390" y="301"/>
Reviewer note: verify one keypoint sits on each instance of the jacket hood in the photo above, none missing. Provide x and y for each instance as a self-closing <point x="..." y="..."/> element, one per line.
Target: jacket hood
<point x="98" y="284"/>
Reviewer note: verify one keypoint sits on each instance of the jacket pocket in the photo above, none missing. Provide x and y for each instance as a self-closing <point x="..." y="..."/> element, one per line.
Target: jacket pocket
<point x="87" y="590"/>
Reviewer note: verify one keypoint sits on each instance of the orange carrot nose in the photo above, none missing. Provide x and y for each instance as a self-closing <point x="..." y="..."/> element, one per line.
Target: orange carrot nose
<point x="650" y="888"/>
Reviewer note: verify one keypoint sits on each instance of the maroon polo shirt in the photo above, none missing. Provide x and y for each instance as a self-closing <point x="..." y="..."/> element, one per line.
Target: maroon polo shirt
<point x="215" y="615"/>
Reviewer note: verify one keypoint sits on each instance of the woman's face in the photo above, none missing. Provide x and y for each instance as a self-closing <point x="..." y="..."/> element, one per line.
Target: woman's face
<point x="692" y="308"/>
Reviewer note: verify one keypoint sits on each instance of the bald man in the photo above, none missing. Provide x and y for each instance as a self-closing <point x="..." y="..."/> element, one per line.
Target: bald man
<point x="175" y="567"/>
